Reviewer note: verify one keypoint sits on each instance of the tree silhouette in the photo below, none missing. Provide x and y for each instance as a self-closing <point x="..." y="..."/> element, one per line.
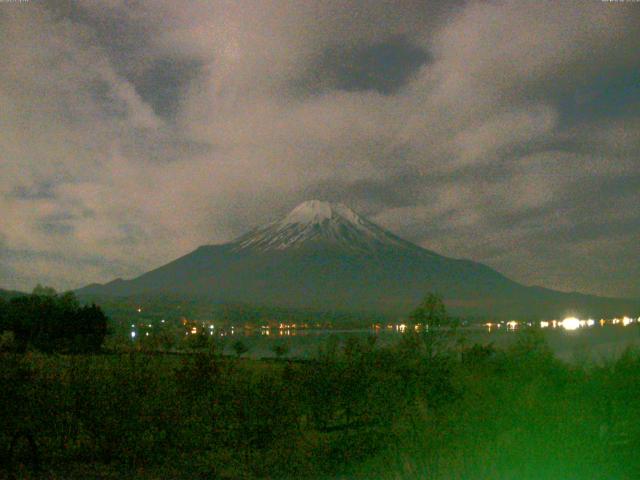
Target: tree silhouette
<point x="240" y="348"/>
<point x="51" y="322"/>
<point x="436" y="327"/>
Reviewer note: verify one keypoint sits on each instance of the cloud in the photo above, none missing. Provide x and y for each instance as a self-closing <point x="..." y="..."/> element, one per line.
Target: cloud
<point x="134" y="132"/>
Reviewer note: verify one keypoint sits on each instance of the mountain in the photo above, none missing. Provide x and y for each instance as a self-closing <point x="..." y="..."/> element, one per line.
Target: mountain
<point x="325" y="256"/>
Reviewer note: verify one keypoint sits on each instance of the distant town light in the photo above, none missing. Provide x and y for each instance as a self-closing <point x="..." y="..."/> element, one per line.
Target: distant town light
<point x="544" y="324"/>
<point x="570" y="323"/>
<point x="591" y="322"/>
<point x="133" y="334"/>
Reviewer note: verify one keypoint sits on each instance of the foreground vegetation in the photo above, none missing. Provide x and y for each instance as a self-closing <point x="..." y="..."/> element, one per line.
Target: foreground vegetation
<point x="357" y="411"/>
<point x="49" y="322"/>
<point x="427" y="407"/>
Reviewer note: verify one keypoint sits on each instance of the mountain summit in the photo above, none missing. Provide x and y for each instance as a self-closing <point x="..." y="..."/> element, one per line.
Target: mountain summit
<point x="317" y="224"/>
<point x="324" y="256"/>
<point x="317" y="212"/>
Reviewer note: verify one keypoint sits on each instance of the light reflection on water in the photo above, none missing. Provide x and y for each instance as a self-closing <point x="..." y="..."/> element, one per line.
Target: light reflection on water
<point x="586" y="342"/>
<point x="570" y="337"/>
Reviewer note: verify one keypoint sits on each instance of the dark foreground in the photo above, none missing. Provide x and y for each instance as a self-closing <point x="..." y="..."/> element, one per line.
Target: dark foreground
<point x="355" y="411"/>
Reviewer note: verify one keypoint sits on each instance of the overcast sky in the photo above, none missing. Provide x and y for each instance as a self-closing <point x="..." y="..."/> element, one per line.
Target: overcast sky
<point x="132" y="132"/>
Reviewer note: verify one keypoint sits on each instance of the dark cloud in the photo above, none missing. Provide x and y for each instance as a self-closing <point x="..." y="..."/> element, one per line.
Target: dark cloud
<point x="384" y="67"/>
<point x="164" y="81"/>
<point x="33" y="192"/>
<point x="608" y="95"/>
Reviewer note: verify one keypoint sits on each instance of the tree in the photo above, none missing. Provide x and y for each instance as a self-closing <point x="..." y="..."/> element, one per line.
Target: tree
<point x="52" y="322"/>
<point x="3" y="315"/>
<point x="92" y="328"/>
<point x="436" y="327"/>
<point x="43" y="291"/>
<point x="240" y="348"/>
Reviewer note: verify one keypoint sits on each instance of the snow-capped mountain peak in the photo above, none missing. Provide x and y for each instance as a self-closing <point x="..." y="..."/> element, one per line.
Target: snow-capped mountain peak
<point x="316" y="211"/>
<point x="315" y="222"/>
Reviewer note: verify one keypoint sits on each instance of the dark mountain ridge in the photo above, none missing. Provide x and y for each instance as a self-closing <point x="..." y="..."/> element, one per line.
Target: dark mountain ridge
<point x="325" y="256"/>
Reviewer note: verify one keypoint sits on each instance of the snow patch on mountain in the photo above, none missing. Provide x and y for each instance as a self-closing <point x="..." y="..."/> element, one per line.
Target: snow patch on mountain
<point x="321" y="223"/>
<point x="317" y="212"/>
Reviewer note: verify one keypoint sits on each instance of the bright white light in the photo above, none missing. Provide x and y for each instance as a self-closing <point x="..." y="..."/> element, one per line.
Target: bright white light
<point x="570" y="323"/>
<point x="512" y="325"/>
<point x="147" y="334"/>
<point x="591" y="322"/>
<point x="544" y="324"/>
<point x="133" y="334"/>
<point x="626" y="321"/>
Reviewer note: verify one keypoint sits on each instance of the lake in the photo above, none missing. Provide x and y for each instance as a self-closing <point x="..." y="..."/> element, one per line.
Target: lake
<point x="592" y="344"/>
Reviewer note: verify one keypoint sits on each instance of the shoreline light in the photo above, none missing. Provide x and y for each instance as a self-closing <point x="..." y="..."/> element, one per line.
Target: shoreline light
<point x="570" y="323"/>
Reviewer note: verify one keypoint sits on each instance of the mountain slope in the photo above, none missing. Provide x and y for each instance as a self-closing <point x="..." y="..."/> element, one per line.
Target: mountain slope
<point x="325" y="256"/>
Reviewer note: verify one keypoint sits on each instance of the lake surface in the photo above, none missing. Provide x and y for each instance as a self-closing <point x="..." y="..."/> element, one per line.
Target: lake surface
<point x="593" y="344"/>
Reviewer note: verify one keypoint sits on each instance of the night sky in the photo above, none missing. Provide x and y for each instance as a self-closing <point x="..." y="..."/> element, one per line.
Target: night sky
<point x="132" y="132"/>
